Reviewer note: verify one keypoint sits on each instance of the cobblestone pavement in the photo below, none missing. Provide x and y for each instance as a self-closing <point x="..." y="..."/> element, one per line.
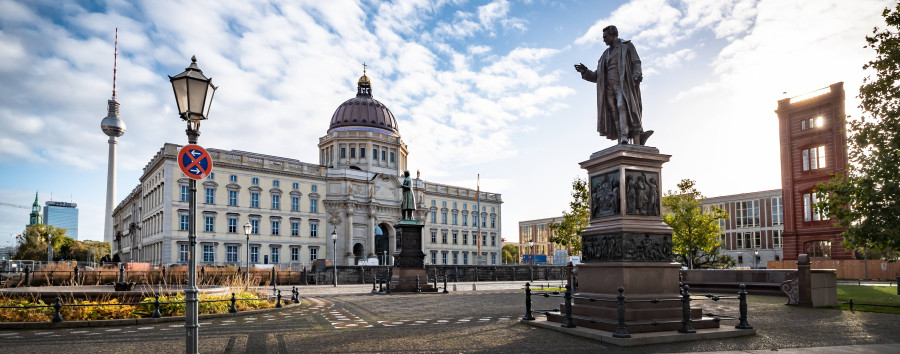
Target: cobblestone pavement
<point x="470" y="321"/>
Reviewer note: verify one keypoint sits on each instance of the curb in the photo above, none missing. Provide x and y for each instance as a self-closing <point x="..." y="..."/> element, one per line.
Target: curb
<point x="129" y="321"/>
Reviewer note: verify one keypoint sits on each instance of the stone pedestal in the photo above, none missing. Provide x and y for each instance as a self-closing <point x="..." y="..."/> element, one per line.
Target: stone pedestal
<point x="627" y="244"/>
<point x="409" y="259"/>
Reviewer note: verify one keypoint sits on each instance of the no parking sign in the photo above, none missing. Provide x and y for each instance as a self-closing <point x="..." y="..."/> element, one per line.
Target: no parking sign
<point x="194" y="161"/>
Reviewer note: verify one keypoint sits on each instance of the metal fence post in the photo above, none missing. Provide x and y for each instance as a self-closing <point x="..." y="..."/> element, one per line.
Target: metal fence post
<point x="567" y="323"/>
<point x="57" y="317"/>
<point x="851" y="305"/>
<point x="445" y="284"/>
<point x="528" y="316"/>
<point x="233" y="308"/>
<point x="435" y="278"/>
<point x="164" y="275"/>
<point x="742" y="294"/>
<point x="621" y="332"/>
<point x="27" y="277"/>
<point x="202" y="274"/>
<point x="278" y="303"/>
<point x="476" y="273"/>
<point x="75" y="278"/>
<point x="686" y="326"/>
<point x="156" y="313"/>
<point x="388" y="281"/>
<point x="121" y="273"/>
<point x="417" y="284"/>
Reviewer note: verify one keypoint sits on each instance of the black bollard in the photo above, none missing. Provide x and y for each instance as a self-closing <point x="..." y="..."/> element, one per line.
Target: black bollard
<point x="233" y="308"/>
<point x="456" y="274"/>
<point x="294" y="298"/>
<point x="202" y="275"/>
<point x="417" y="284"/>
<point x="445" y="285"/>
<point x="75" y="277"/>
<point x="476" y="273"/>
<point x="388" y="285"/>
<point x="528" y="316"/>
<point x="374" y="281"/>
<point x="742" y="294"/>
<point x="57" y="317"/>
<point x="380" y="285"/>
<point x="278" y="302"/>
<point x="121" y="273"/>
<point x="27" y="277"/>
<point x="621" y="332"/>
<point x="164" y="274"/>
<point x="156" y="313"/>
<point x="686" y="311"/>
<point x="435" y="279"/>
<point x="568" y="323"/>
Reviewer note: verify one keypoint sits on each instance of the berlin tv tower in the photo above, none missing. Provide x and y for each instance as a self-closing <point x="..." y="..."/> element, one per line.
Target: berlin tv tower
<point x="114" y="127"/>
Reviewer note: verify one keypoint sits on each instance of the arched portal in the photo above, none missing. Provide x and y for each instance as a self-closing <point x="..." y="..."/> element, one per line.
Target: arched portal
<point x="357" y="252"/>
<point x="382" y="245"/>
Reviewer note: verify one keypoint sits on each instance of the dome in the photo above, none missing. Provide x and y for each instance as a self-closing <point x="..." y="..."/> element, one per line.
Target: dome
<point x="363" y="111"/>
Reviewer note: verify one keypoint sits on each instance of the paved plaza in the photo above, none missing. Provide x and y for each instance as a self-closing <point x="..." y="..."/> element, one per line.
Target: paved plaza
<point x="350" y="319"/>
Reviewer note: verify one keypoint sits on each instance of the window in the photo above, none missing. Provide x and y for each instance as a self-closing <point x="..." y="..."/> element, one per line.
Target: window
<point x="313" y="205"/>
<point x="444" y="236"/>
<point x="295" y="228"/>
<point x="185" y="194"/>
<point x="254" y="200"/>
<point x="382" y="159"/>
<point x="444" y="217"/>
<point x="210" y="196"/>
<point x="295" y="254"/>
<point x="313" y="229"/>
<point x="493" y="258"/>
<point x="444" y="204"/>
<point x="813" y="158"/>
<point x="276" y="226"/>
<point x="493" y="240"/>
<point x="454" y="237"/>
<point x="433" y="236"/>
<point x="433" y="257"/>
<point x="454" y="218"/>
<point x="444" y="257"/>
<point x="275" y="254"/>
<point x="231" y="254"/>
<point x="314" y="188"/>
<point x="747" y="213"/>
<point x="212" y="175"/>
<point x="465" y="238"/>
<point x="465" y="220"/>
<point x="232" y="224"/>
<point x="232" y="178"/>
<point x="209" y="254"/>
<point x="313" y="254"/>
<point x="295" y="203"/>
<point x="352" y="153"/>
<point x="209" y="223"/>
<point x="434" y="216"/>
<point x="493" y="221"/>
<point x="343" y="153"/>
<point x="362" y="153"/>
<point x="465" y="258"/>
<point x="776" y="238"/>
<point x="455" y="258"/>
<point x="254" y="254"/>
<point x="254" y="226"/>
<point x="392" y="156"/>
<point x="254" y="180"/>
<point x="183" y="253"/>
<point x="295" y="185"/>
<point x="757" y="239"/>
<point x="374" y="154"/>
<point x="276" y="201"/>
<point x="483" y="239"/>
<point x="183" y="224"/>
<point x="484" y="221"/>
<point x="276" y="183"/>
<point x="777" y="211"/>
<point x="809" y="208"/>
<point x="232" y="198"/>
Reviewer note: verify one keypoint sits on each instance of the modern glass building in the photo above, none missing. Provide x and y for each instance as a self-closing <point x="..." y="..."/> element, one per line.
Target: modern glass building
<point x="63" y="215"/>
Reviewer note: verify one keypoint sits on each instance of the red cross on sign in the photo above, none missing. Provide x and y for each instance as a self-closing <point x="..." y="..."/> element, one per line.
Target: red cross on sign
<point x="194" y="161"/>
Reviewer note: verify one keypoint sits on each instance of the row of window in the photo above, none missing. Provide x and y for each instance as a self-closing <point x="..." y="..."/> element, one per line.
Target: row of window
<point x="813" y="158"/>
<point x="810" y="123"/>
<point x="362" y="154"/>
<point x="456" y="257"/>
<point x="809" y="208"/>
<point x="232" y="254"/>
<point x="209" y="225"/>
<point x="746" y="213"/>
<point x="210" y="198"/>
<point x="465" y="219"/>
<point x="255" y="181"/>
<point x="753" y="240"/>
<point x="465" y="206"/>
<point x="465" y="238"/>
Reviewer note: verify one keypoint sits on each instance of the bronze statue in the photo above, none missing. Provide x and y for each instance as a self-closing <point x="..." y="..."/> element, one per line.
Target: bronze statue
<point x="618" y="79"/>
<point x="408" y="203"/>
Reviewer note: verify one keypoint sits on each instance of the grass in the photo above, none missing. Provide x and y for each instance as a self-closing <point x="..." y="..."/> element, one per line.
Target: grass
<point x="877" y="295"/>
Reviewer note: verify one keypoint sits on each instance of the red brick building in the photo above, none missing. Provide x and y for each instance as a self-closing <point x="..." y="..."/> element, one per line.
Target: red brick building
<point x="813" y="143"/>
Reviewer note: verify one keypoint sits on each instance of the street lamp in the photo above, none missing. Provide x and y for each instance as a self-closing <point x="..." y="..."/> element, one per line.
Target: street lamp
<point x="334" y="253"/>
<point x="247" y="228"/>
<point x="193" y="95"/>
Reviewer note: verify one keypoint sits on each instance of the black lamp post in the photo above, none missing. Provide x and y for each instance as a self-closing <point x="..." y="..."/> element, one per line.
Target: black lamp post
<point x="334" y="253"/>
<point x="193" y="94"/>
<point x="247" y="228"/>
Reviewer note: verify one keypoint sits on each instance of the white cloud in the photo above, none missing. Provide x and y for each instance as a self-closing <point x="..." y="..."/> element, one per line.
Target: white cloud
<point x="675" y="59"/>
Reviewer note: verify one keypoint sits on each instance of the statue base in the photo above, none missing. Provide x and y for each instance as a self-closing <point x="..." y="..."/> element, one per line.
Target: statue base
<point x="409" y="260"/>
<point x="627" y="244"/>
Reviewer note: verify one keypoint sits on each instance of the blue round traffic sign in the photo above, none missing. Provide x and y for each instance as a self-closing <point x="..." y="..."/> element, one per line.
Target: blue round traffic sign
<point x="194" y="161"/>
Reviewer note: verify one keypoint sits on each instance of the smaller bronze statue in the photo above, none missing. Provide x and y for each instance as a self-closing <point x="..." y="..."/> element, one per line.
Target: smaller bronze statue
<point x="408" y="203"/>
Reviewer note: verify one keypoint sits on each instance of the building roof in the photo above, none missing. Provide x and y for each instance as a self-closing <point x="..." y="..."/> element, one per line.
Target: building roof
<point x="363" y="111"/>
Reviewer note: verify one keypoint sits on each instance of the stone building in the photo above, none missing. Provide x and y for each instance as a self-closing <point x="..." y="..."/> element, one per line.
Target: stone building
<point x="294" y="207"/>
<point x="753" y="232"/>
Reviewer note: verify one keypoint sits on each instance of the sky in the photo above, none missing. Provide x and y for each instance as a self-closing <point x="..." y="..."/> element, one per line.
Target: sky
<point x="478" y="87"/>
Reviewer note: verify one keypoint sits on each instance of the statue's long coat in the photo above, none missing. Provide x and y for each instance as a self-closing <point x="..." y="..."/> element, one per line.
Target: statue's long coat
<point x="629" y="66"/>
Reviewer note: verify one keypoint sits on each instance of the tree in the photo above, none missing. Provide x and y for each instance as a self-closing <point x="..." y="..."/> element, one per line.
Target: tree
<point x="695" y="237"/>
<point x="866" y="200"/>
<point x="33" y="244"/>
<point x="567" y="232"/>
<point x="510" y="254"/>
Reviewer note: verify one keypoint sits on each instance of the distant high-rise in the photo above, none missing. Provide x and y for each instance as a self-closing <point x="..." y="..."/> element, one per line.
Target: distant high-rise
<point x="62" y="215"/>
<point x="113" y="127"/>
<point x="35" y="216"/>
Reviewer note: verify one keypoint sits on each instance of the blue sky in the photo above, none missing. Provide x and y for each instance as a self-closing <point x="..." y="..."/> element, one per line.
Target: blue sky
<point x="477" y="86"/>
